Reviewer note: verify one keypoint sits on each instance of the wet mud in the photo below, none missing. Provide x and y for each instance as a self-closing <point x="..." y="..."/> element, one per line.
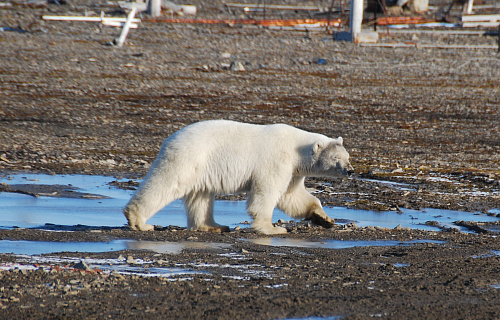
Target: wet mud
<point x="421" y="126"/>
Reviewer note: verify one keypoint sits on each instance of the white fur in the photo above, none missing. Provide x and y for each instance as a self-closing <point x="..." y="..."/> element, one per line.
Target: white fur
<point x="207" y="158"/>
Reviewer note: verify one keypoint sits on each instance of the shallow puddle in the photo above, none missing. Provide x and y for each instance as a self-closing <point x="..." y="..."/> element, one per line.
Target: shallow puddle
<point x="335" y="244"/>
<point x="45" y="247"/>
<point x="25" y="211"/>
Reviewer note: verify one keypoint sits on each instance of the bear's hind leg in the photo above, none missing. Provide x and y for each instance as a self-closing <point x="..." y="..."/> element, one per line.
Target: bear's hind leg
<point x="261" y="209"/>
<point x="200" y="212"/>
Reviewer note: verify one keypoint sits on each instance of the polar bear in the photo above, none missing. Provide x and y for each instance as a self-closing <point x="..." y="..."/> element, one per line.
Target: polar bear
<point x="269" y="162"/>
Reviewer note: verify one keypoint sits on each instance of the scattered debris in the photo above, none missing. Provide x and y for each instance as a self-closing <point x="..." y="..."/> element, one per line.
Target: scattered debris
<point x="255" y="7"/>
<point x="296" y="24"/>
<point x="403" y="20"/>
<point x="125" y="23"/>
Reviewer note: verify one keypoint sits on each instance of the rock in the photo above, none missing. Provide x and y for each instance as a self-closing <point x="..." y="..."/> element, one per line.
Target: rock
<point x="81" y="266"/>
<point x="237" y="66"/>
<point x="352" y="225"/>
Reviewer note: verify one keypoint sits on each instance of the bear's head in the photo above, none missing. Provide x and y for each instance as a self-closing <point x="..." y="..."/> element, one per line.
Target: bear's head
<point x="331" y="159"/>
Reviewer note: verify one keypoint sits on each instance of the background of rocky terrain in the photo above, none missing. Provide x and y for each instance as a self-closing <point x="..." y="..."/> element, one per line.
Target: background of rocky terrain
<point x="72" y="103"/>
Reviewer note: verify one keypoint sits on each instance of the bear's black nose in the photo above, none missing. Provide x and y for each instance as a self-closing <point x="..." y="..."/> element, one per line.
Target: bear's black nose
<point x="350" y="172"/>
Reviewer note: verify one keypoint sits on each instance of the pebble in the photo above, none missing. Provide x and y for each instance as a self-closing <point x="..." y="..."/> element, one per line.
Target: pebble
<point x="237" y="66"/>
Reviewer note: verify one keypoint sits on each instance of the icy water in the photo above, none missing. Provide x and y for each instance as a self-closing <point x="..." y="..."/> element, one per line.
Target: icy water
<point x="44" y="247"/>
<point x="335" y="244"/>
<point x="25" y="211"/>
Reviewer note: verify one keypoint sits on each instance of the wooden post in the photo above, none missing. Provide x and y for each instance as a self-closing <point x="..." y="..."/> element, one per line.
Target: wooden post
<point x="498" y="38"/>
<point x="356" y="19"/>
<point x="154" y="8"/>
<point x="468" y="7"/>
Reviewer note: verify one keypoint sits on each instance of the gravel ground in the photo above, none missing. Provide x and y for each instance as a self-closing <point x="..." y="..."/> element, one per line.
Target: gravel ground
<point x="425" y="119"/>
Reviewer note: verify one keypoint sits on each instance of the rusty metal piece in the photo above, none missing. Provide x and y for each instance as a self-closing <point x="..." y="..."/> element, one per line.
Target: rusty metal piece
<point x="403" y="20"/>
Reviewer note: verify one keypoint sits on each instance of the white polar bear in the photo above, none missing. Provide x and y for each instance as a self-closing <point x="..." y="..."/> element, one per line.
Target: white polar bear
<point x="270" y="162"/>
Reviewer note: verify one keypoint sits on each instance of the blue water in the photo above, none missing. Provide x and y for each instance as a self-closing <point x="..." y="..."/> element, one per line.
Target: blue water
<point x="24" y="211"/>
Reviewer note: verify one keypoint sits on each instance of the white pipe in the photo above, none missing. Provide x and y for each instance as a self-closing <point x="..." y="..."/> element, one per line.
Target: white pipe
<point x="126" y="27"/>
<point x="154" y="8"/>
<point x="88" y="19"/>
<point x="356" y="19"/>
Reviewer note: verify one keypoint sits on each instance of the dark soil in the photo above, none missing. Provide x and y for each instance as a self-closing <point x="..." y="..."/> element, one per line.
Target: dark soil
<point x="425" y="120"/>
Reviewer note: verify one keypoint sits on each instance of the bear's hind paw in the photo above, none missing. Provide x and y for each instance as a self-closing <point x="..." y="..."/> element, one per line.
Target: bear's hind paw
<point x="143" y="227"/>
<point x="219" y="229"/>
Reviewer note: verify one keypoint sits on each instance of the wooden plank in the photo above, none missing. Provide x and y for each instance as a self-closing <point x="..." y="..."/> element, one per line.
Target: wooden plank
<point x="442" y="32"/>
<point x="481" y="17"/>
<point x="88" y="19"/>
<point x="417" y="45"/>
<point x="480" y="24"/>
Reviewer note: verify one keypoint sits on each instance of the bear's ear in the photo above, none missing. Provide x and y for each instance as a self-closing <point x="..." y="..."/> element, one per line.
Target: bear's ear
<point x="317" y="147"/>
<point x="340" y="140"/>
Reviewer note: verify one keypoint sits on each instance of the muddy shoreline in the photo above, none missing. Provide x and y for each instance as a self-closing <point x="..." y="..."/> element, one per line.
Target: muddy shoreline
<point x="421" y="126"/>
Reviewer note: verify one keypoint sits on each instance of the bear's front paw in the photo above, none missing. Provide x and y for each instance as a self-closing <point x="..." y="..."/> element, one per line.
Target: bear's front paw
<point x="270" y="230"/>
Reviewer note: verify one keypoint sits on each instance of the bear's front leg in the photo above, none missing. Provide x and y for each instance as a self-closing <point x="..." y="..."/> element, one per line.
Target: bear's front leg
<point x="135" y="220"/>
<point x="317" y="215"/>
